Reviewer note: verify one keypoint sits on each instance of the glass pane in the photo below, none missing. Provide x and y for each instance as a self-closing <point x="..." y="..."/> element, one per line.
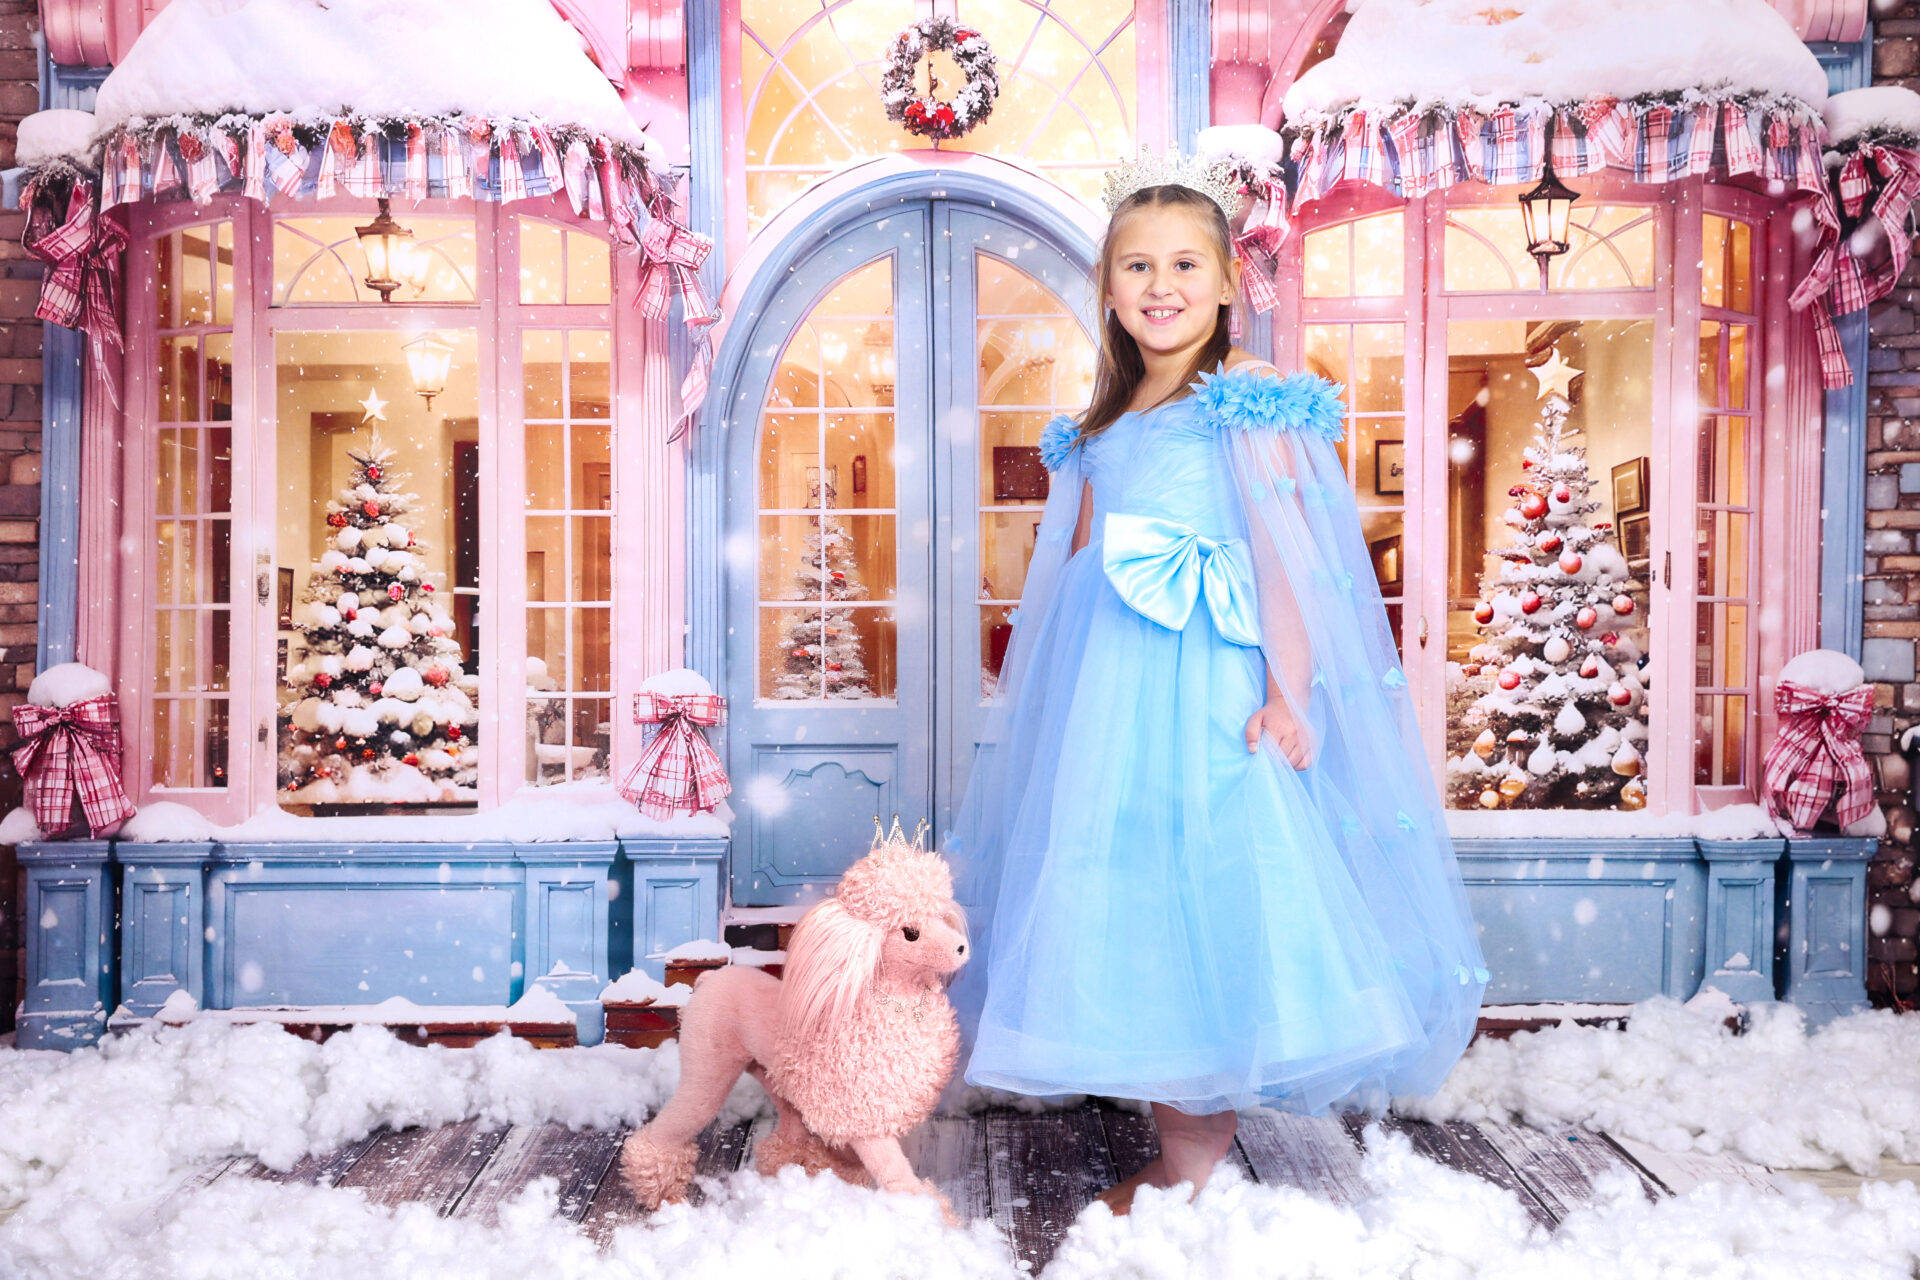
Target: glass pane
<point x="1328" y="258"/>
<point x="1737" y="373"/>
<point x="1547" y="626"/>
<point x="195" y="279"/>
<point x="1720" y="741"/>
<point x="1006" y="546"/>
<point x="589" y="270"/>
<point x="592" y="467"/>
<point x="996" y="631"/>
<point x="856" y="362"/>
<point x="179" y="379"/>
<point x="833" y="652"/>
<point x="1725" y="459"/>
<point x="1380" y="472"/>
<point x="546" y="559"/>
<point x="1379" y="368"/>
<point x="540" y="372"/>
<point x="319" y="260"/>
<point x="1611" y="247"/>
<point x="541" y="263"/>
<point x="1726" y="263"/>
<point x="1380" y="256"/>
<point x="844" y="557"/>
<point x="593" y="643"/>
<point x="589" y="374"/>
<point x="790" y="461"/>
<point x="1724" y="552"/>
<point x="1328" y="353"/>
<point x="859" y="453"/>
<point x="547" y="665"/>
<point x="546" y="466"/>
<point x="379" y="523"/>
<point x="219" y="376"/>
<point x="797" y="381"/>
<point x="1721" y="646"/>
<point x="223" y="273"/>
<point x="592" y="558"/>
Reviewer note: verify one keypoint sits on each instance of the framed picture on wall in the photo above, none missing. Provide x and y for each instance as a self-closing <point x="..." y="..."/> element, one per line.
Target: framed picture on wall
<point x="1636" y="541"/>
<point x="1629" y="488"/>
<point x="1386" y="563"/>
<point x="286" y="599"/>
<point x="1389" y="466"/>
<point x="1018" y="473"/>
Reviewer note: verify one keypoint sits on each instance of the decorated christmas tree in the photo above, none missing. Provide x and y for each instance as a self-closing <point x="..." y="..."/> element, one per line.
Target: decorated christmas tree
<point x="822" y="646"/>
<point x="1559" y="672"/>
<point x="379" y="708"/>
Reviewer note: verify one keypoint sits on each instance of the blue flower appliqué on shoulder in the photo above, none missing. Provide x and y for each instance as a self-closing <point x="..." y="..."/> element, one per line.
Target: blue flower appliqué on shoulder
<point x="1255" y="400"/>
<point x="1056" y="441"/>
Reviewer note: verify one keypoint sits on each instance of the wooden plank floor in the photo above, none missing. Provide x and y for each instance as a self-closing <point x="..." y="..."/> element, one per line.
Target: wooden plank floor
<point x="1031" y="1174"/>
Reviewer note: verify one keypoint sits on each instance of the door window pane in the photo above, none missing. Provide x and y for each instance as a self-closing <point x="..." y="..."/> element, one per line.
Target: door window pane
<point x="826" y="496"/>
<point x="1548" y="525"/>
<point x="191" y="537"/>
<point x="318" y="260"/>
<point x="378" y="530"/>
<point x="1364" y="258"/>
<point x="1723" y="521"/>
<point x="1034" y="361"/>
<point x="562" y="265"/>
<point x="569" y="549"/>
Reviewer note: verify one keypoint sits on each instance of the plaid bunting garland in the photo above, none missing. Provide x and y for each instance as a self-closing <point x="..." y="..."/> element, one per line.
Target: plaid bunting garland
<point x="678" y="772"/>
<point x="1817" y="750"/>
<point x="69" y="751"/>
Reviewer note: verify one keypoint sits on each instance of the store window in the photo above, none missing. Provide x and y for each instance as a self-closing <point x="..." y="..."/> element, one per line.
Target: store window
<point x="827" y="514"/>
<point x="1541" y="530"/>
<point x="810" y="76"/>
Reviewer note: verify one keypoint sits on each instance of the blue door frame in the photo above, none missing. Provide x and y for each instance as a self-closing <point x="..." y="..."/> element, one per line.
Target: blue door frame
<point x="810" y="778"/>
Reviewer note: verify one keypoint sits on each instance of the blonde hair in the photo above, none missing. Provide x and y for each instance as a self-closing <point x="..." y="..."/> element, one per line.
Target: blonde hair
<point x="1121" y="368"/>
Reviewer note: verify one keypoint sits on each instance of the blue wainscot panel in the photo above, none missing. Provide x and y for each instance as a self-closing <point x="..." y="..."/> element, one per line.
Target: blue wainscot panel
<point x="672" y="888"/>
<point x="163" y="926"/>
<point x="1587" y="920"/>
<point x="1823" y="890"/>
<point x="69" y="963"/>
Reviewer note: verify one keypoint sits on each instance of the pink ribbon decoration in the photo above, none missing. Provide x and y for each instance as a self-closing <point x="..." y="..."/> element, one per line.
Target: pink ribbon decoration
<point x="1818" y="748"/>
<point x="670" y="257"/>
<point x="83" y="253"/>
<point x="678" y="772"/>
<point x="66" y="751"/>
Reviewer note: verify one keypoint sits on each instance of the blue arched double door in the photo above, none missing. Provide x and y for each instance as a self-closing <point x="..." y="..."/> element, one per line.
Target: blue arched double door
<point x="883" y="487"/>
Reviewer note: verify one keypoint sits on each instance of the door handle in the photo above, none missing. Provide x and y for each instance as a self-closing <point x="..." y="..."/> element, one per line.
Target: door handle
<point x="1423" y="631"/>
<point x="263" y="575"/>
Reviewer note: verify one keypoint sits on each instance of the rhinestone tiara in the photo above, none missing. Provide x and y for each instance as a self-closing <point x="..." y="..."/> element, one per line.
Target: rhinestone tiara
<point x="1215" y="179"/>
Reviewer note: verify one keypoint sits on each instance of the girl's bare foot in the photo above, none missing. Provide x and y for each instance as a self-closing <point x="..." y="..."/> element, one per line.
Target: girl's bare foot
<point x="1119" y="1196"/>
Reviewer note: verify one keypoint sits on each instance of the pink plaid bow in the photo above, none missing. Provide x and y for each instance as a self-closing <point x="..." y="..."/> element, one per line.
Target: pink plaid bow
<point x="84" y="254"/>
<point x="678" y="772"/>
<point x="68" y="749"/>
<point x="670" y="258"/>
<point x="1818" y="747"/>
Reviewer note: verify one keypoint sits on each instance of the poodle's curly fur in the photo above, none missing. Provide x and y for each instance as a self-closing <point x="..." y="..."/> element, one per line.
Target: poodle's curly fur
<point x="854" y="1045"/>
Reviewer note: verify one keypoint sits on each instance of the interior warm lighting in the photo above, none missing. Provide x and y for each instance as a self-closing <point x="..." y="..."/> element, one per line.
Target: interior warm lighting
<point x="387" y="246"/>
<point x="429" y="360"/>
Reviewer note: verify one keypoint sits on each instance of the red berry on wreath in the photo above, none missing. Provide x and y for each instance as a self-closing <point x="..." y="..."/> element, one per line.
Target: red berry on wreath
<point x="1529" y="601"/>
<point x="1483" y="613"/>
<point x="373" y="472"/>
<point x="1533" y="506"/>
<point x="339" y="744"/>
<point x="425" y="586"/>
<point x="375" y="689"/>
<point x="1509" y="679"/>
<point x="1623" y="605"/>
<point x="323" y="680"/>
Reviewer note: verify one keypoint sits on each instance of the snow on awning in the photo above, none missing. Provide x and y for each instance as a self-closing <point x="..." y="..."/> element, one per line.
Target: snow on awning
<point x="1485" y="54"/>
<point x="380" y="59"/>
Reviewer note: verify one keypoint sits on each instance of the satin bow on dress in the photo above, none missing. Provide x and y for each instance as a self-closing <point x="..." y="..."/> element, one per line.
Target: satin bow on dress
<point x="1162" y="568"/>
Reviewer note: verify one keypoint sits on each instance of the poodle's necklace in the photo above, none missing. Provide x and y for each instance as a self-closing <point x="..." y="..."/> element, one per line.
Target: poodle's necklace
<point x="917" y="1006"/>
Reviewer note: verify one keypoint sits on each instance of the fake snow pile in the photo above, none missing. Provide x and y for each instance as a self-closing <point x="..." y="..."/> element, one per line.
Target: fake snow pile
<point x="1881" y="111"/>
<point x="496" y="59"/>
<point x="1481" y="54"/>
<point x="91" y="1144"/>
<point x="1679" y="1079"/>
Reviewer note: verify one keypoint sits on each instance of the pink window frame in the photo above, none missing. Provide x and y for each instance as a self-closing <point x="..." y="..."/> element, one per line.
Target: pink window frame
<point x="648" y="546"/>
<point x="1786" y="463"/>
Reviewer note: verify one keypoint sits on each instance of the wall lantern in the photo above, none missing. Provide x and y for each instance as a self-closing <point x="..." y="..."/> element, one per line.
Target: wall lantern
<point x="1548" y="213"/>
<point x="429" y="360"/>
<point x="387" y="246"/>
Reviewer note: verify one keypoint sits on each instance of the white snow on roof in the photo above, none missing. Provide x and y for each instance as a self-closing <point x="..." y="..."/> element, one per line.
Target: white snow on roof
<point x="52" y="135"/>
<point x="1885" y="108"/>
<point x="493" y="58"/>
<point x="1484" y="52"/>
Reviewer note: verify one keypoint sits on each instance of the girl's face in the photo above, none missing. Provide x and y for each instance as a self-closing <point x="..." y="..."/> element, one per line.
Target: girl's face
<point x="1166" y="282"/>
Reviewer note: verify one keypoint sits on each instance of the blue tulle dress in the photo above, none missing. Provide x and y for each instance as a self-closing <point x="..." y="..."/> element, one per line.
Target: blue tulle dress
<point x="1159" y="913"/>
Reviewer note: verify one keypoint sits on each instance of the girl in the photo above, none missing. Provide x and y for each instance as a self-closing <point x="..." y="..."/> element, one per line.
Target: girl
<point x="1205" y="859"/>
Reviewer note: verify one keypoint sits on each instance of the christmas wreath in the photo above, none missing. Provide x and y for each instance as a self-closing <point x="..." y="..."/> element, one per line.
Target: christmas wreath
<point x="925" y="113"/>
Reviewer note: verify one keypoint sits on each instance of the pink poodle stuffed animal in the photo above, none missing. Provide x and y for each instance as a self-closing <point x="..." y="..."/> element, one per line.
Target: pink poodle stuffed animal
<point x="855" y="1044"/>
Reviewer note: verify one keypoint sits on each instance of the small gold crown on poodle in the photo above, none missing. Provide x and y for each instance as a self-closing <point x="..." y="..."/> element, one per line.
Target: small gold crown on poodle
<point x="897" y="837"/>
<point x="1214" y="179"/>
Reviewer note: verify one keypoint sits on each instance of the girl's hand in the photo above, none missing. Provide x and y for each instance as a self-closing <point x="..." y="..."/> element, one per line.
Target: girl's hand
<point x="1276" y="720"/>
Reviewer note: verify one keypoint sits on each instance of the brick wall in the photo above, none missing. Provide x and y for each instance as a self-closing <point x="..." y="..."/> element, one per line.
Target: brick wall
<point x="19" y="462"/>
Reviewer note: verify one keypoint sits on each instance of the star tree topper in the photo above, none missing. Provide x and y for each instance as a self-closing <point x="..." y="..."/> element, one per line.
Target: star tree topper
<point x="1556" y="376"/>
<point x="376" y="408"/>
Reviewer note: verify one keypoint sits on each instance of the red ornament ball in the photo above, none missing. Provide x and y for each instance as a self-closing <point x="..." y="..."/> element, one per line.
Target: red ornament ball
<point x="453" y="731"/>
<point x="1548" y="541"/>
<point x="1529" y="601"/>
<point x="375" y="690"/>
<point x="395" y="591"/>
<point x="1526" y="464"/>
<point x="371" y="507"/>
<point x="1612" y="637"/>
<point x="1618" y="694"/>
<point x="1533" y="506"/>
<point x="337" y="519"/>
<point x="435" y="676"/>
<point x="1586" y="617"/>
<point x="1623" y="605"/>
<point x="425" y="586"/>
<point x="351" y="614"/>
<point x="409" y="758"/>
<point x="1563" y="495"/>
<point x="1509" y="679"/>
<point x="339" y="744"/>
<point x="373" y="472"/>
<point x="1570" y="562"/>
<point x="1483" y="613"/>
<point x="1590" y="668"/>
<point x="323" y="680"/>
<point x="799" y="653"/>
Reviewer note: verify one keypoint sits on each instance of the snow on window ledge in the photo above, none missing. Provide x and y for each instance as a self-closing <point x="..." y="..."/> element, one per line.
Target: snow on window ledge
<point x="1733" y="822"/>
